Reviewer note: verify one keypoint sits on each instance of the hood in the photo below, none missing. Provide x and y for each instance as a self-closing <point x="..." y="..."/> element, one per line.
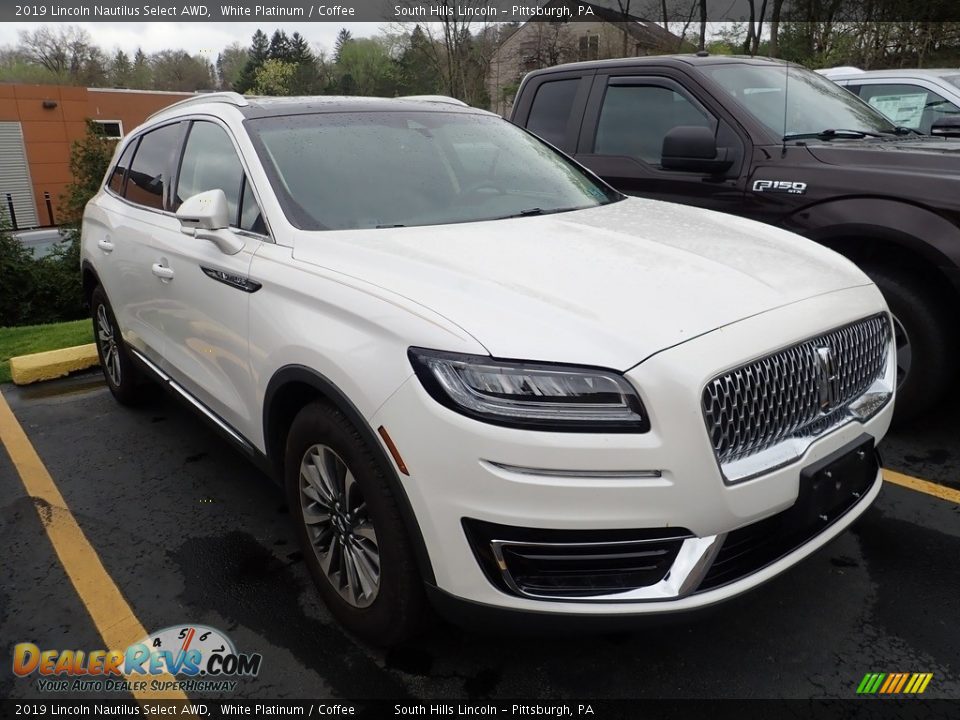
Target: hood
<point x="606" y="286"/>
<point x="914" y="154"/>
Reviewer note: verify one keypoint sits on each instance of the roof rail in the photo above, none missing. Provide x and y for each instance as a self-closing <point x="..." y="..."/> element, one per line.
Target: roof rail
<point x="435" y="98"/>
<point x="227" y="96"/>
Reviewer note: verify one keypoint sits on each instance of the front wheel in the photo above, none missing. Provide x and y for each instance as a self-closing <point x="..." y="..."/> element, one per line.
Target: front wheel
<point x="350" y="529"/>
<point x="925" y="336"/>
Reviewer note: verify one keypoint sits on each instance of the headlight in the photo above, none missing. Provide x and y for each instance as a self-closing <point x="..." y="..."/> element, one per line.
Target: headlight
<point x="536" y="396"/>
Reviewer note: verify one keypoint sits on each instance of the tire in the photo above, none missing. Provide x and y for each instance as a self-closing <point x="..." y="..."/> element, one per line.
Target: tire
<point x="123" y="377"/>
<point x="323" y="451"/>
<point x="926" y="337"/>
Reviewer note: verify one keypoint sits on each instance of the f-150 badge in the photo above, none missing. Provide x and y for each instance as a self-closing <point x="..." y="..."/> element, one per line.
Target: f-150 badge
<point x="785" y="186"/>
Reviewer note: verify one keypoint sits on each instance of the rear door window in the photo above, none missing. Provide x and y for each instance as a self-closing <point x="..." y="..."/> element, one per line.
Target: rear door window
<point x="150" y="170"/>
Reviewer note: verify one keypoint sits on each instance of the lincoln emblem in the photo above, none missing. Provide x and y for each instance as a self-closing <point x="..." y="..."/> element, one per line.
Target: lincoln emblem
<point x="828" y="379"/>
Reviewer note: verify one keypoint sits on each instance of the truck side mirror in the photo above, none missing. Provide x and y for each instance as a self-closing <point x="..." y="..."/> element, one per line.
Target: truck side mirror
<point x="693" y="148"/>
<point x="948" y="126"/>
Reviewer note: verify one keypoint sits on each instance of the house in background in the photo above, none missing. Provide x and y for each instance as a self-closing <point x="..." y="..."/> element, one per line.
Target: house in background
<point x="543" y="43"/>
<point x="38" y="123"/>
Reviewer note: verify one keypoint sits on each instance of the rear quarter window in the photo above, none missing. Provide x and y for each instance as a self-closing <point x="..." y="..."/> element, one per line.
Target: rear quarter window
<point x="551" y="108"/>
<point x="149" y="172"/>
<point x="120" y="170"/>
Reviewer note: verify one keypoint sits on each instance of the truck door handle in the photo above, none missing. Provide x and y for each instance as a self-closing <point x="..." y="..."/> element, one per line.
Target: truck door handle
<point x="105" y="245"/>
<point x="162" y="271"/>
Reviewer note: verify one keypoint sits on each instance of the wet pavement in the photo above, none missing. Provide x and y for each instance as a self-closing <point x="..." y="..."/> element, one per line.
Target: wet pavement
<point x="192" y="533"/>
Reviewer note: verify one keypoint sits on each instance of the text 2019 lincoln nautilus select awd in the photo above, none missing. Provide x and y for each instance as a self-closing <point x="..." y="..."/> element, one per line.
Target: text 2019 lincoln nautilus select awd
<point x="487" y="381"/>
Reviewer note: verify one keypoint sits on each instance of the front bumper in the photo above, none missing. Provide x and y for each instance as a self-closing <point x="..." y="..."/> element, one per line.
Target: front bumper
<point x="666" y="480"/>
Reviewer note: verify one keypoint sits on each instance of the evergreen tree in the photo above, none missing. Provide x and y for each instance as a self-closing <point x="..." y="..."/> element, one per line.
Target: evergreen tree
<point x="299" y="49"/>
<point x="343" y="37"/>
<point x="257" y="55"/>
<point x="121" y="71"/>
<point x="141" y="76"/>
<point x="280" y="48"/>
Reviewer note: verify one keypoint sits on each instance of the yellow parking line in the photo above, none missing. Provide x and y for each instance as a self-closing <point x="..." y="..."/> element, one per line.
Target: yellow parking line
<point x="925" y="486"/>
<point x="111" y="614"/>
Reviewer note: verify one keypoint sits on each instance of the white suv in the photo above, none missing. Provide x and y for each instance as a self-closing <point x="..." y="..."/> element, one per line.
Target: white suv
<point x="485" y="378"/>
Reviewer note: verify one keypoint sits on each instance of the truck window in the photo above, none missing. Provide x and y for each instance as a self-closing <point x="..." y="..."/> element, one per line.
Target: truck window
<point x="909" y="105"/>
<point x="551" y="110"/>
<point x="634" y="119"/>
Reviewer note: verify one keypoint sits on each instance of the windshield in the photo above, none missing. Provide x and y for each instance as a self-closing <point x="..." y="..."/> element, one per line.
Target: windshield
<point x="813" y="103"/>
<point x="339" y="171"/>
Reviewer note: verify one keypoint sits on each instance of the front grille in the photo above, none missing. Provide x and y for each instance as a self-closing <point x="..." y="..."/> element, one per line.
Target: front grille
<point x="802" y="390"/>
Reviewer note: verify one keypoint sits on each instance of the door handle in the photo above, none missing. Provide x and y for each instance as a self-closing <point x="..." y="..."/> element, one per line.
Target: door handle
<point x="162" y="271"/>
<point x="105" y="245"/>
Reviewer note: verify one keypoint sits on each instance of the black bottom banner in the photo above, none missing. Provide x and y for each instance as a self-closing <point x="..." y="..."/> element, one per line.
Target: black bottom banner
<point x="600" y="709"/>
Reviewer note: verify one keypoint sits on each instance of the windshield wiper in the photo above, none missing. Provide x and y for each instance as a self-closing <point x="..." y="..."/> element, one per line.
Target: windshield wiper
<point x="832" y="133"/>
<point x="529" y="212"/>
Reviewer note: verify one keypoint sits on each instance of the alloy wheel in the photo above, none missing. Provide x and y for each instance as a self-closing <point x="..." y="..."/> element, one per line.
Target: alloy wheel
<point x="338" y="525"/>
<point x="107" y="339"/>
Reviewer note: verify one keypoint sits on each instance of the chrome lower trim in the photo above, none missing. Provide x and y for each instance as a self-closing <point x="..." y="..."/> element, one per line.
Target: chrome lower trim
<point x="688" y="569"/>
<point x="149" y="364"/>
<point x="564" y="473"/>
<point x="204" y="410"/>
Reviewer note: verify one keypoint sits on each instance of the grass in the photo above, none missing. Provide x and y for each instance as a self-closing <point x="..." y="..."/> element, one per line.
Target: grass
<point x="15" y="341"/>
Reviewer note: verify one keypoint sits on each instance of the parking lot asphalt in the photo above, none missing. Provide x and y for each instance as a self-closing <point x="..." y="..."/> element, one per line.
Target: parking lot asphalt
<point x="190" y="532"/>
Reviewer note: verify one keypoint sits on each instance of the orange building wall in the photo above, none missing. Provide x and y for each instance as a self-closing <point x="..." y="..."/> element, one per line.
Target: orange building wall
<point x="48" y="132"/>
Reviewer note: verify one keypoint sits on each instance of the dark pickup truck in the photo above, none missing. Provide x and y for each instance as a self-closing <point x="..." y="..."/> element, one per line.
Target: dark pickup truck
<point x="780" y="144"/>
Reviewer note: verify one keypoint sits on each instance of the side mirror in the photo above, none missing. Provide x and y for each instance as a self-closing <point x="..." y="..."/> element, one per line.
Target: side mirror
<point x="206" y="216"/>
<point x="948" y="126"/>
<point x="693" y="148"/>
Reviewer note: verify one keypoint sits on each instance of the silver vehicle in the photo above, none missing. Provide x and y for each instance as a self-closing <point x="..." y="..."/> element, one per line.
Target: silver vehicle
<point x="927" y="101"/>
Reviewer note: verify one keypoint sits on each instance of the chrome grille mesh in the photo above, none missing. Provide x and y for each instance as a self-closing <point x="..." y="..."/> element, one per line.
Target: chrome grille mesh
<point x="783" y="395"/>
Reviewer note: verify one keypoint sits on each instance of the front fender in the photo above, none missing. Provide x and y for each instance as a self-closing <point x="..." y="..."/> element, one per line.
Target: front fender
<point x="922" y="232"/>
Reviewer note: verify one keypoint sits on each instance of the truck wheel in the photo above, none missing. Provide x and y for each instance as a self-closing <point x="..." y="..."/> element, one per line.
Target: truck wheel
<point x="122" y="376"/>
<point x="925" y="337"/>
<point x="350" y="529"/>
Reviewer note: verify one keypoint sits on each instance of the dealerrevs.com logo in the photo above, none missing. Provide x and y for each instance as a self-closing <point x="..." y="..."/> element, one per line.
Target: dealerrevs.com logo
<point x="200" y="658"/>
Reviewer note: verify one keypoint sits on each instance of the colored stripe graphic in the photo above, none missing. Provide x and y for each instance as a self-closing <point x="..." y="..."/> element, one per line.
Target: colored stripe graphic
<point x="894" y="683"/>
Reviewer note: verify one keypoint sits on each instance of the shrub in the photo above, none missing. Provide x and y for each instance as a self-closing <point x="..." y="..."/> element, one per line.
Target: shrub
<point x="19" y="267"/>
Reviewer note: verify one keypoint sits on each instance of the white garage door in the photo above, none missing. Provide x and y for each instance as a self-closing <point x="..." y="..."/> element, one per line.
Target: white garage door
<point x="15" y="176"/>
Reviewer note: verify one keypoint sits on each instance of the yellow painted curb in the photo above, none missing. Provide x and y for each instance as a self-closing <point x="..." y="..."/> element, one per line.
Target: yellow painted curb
<point x="52" y="364"/>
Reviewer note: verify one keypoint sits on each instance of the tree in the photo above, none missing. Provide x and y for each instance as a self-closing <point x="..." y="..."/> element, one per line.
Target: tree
<point x="274" y="78"/>
<point x="230" y="64"/>
<point x="280" y="48"/>
<point x="121" y="70"/>
<point x="415" y="74"/>
<point x="141" y="75"/>
<point x="94" y="71"/>
<point x="305" y="80"/>
<point x="62" y="49"/>
<point x="365" y="68"/>
<point x="258" y="54"/>
<point x="343" y="37"/>
<point x="177" y="70"/>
